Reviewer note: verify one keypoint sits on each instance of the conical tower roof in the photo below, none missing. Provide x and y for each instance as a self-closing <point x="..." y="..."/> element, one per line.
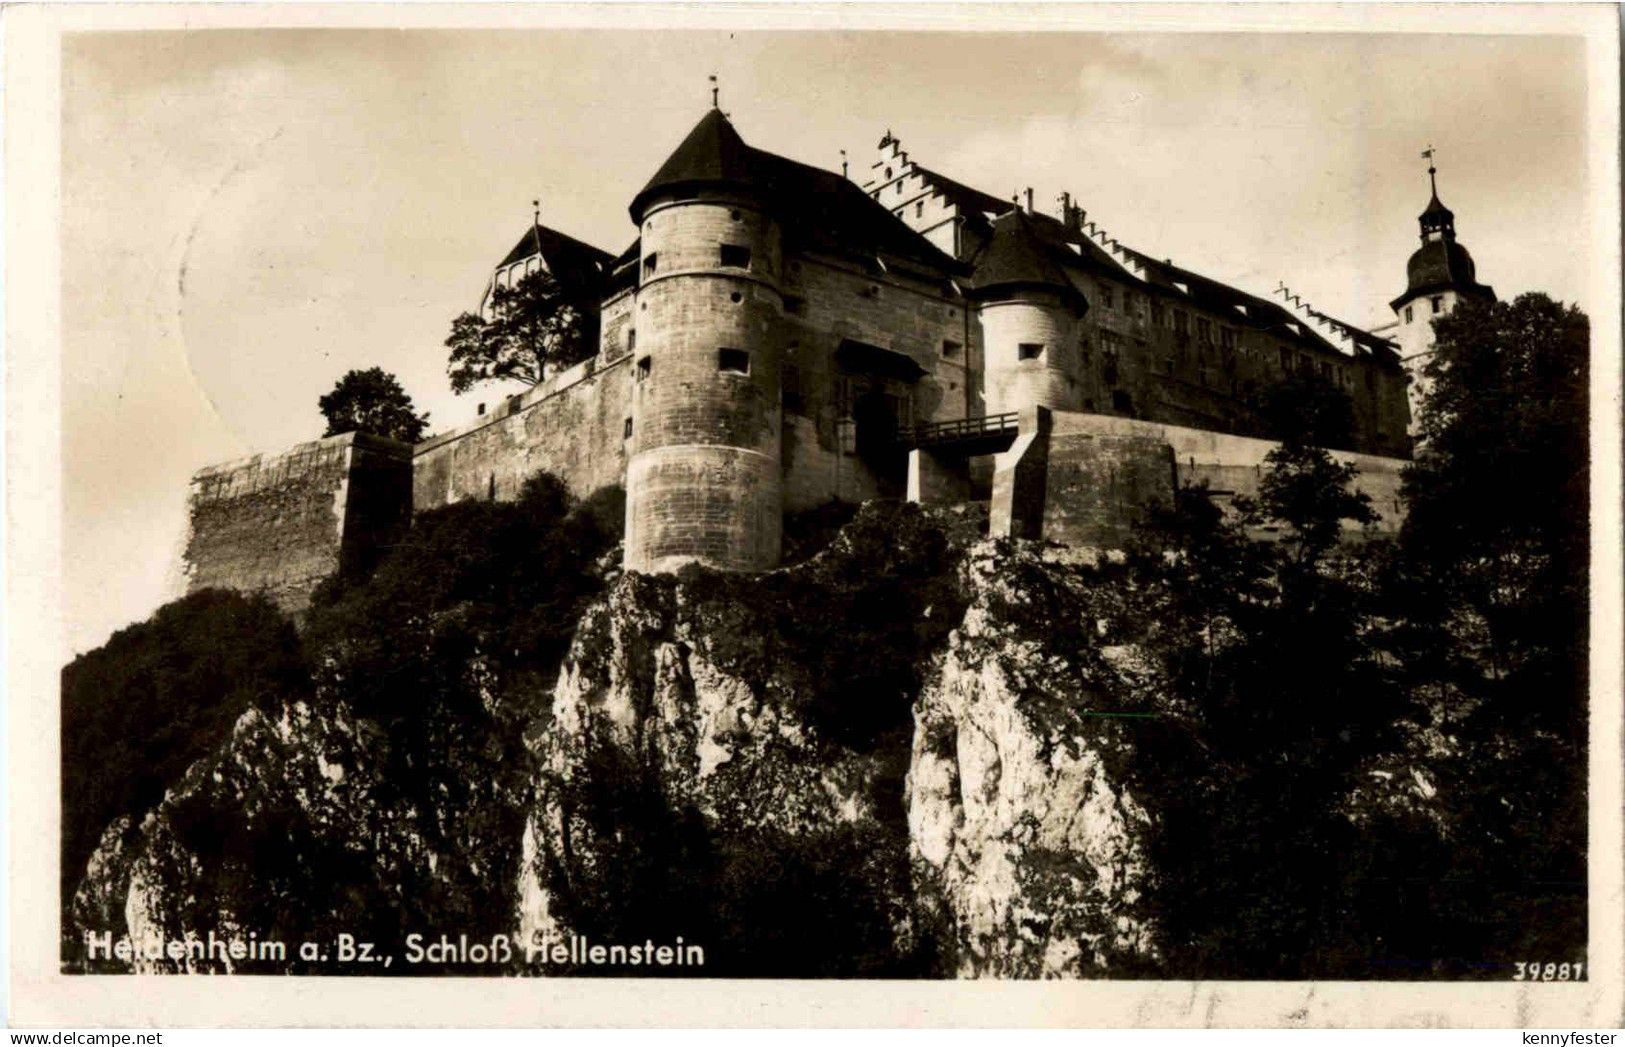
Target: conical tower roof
<point x="1018" y="256"/>
<point x="713" y="154"/>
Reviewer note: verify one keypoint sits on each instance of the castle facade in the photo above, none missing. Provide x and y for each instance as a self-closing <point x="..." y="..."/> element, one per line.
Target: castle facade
<point x="778" y="336"/>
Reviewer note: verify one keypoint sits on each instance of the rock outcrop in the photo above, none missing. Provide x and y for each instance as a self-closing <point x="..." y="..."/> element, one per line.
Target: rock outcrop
<point x="910" y="756"/>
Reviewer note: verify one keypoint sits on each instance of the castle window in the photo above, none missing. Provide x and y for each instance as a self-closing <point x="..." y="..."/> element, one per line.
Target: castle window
<point x="888" y="174"/>
<point x="1438" y="303"/>
<point x="645" y="365"/>
<point x="793" y="399"/>
<point x="1286" y="360"/>
<point x="1408" y="313"/>
<point x="734" y="214"/>
<point x="1121" y="401"/>
<point x="631" y="339"/>
<point x="1181" y="322"/>
<point x="736" y="298"/>
<point x="950" y="348"/>
<point x="899" y="187"/>
<point x="733" y="361"/>
<point x="1156" y="312"/>
<point x="649" y="263"/>
<point x="919" y="208"/>
<point x="626" y="430"/>
<point x="735" y="257"/>
<point x="1204" y="329"/>
<point x="1106" y="299"/>
<point x="1029" y="350"/>
<point x="794" y="306"/>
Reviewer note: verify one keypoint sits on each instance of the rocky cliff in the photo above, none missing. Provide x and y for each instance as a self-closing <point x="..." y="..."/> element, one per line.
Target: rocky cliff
<point x="916" y="765"/>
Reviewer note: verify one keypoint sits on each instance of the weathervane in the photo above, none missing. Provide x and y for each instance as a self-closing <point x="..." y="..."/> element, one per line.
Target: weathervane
<point x="1427" y="154"/>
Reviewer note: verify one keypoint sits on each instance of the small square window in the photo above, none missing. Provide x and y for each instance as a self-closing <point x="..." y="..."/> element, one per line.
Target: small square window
<point x="649" y="263"/>
<point x="950" y="348"/>
<point x="735" y="256"/>
<point x="645" y="365"/>
<point x="1029" y="350"/>
<point x="733" y="361"/>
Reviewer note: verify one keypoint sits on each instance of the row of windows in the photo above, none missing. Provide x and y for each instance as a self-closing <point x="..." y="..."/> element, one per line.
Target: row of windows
<point x="1437" y="301"/>
<point x="729" y="256"/>
<point x="729" y="361"/>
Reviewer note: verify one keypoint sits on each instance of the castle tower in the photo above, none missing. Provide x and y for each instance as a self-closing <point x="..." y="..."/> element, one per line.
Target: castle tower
<point x="1439" y="274"/>
<point x="1031" y="316"/>
<point x="703" y="476"/>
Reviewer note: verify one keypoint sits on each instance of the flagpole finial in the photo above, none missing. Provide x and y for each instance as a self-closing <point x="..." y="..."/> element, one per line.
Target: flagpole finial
<point x="1433" y="182"/>
<point x="714" y="91"/>
<point x="536" y="212"/>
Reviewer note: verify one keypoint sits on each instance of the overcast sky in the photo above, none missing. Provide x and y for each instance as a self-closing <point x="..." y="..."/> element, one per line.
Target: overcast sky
<point x="246" y="215"/>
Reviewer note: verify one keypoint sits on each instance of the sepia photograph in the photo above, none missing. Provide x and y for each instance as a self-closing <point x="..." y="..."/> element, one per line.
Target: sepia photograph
<point x="833" y="502"/>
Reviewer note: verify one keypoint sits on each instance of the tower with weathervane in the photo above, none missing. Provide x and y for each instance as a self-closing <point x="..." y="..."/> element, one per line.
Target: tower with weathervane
<point x="1439" y="274"/>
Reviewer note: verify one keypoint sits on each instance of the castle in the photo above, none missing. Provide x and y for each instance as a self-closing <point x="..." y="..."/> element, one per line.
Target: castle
<point x="778" y="336"/>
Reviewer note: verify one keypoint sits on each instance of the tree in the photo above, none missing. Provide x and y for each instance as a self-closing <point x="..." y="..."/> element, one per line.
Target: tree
<point x="372" y="401"/>
<point x="1308" y="409"/>
<point x="1309" y="491"/>
<point x="1498" y="495"/>
<point x="530" y="330"/>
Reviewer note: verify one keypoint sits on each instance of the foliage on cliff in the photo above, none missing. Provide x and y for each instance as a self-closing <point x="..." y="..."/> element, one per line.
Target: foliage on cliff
<point x="137" y="711"/>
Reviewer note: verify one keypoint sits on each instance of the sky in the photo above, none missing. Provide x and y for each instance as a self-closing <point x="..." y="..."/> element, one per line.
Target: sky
<point x="247" y="215"/>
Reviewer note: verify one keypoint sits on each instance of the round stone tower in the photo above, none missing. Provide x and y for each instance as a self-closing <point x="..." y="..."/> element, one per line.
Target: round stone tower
<point x="1031" y="315"/>
<point x="703" y="473"/>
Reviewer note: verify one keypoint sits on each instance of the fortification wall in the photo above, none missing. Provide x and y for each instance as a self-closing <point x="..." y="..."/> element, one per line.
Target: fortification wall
<point x="1086" y="479"/>
<point x="573" y="426"/>
<point x="279" y="524"/>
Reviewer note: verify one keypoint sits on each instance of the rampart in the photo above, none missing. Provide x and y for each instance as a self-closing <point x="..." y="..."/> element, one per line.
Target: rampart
<point x="1086" y="479"/>
<point x="279" y="524"/>
<point x="573" y="426"/>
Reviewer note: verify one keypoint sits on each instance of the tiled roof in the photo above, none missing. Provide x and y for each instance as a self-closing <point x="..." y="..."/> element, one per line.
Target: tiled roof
<point x="816" y="208"/>
<point x="1020" y="254"/>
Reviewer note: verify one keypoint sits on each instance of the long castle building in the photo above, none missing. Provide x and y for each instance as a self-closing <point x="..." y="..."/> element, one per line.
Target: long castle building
<point x="778" y="336"/>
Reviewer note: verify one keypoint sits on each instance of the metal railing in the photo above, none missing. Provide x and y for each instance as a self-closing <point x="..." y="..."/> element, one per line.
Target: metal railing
<point x="958" y="429"/>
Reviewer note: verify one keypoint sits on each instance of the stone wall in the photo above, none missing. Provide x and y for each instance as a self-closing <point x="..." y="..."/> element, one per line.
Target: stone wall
<point x="573" y="426"/>
<point x="1086" y="480"/>
<point x="279" y="524"/>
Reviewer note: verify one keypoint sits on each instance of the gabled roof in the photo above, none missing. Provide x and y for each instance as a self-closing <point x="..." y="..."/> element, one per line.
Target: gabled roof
<point x="816" y="209"/>
<point x="574" y="264"/>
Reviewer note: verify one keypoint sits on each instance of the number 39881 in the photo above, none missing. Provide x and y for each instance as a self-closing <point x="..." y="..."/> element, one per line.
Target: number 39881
<point x="1549" y="972"/>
